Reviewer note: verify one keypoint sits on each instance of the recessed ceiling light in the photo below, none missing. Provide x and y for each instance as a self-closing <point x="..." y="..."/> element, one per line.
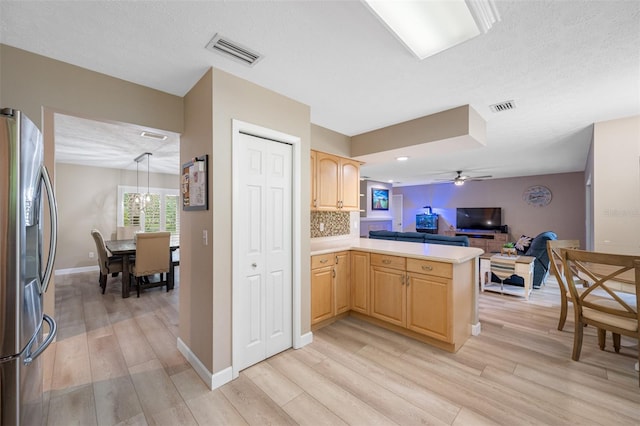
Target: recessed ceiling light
<point x="402" y="158"/>
<point x="429" y="27"/>
<point x="151" y="135"/>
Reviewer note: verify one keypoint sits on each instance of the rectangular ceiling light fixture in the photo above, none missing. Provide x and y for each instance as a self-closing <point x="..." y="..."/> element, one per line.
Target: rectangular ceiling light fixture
<point x="429" y="27"/>
<point x="152" y="135"/>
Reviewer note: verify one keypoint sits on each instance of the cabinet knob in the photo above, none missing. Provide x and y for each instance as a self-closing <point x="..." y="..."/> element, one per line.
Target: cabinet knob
<point x="336" y="260"/>
<point x="386" y="261"/>
<point x="254" y="265"/>
<point x="334" y="272"/>
<point x="324" y="260"/>
<point x="407" y="280"/>
<point x="427" y="268"/>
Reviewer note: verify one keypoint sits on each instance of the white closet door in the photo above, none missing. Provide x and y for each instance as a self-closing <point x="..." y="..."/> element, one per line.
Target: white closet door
<point x="265" y="248"/>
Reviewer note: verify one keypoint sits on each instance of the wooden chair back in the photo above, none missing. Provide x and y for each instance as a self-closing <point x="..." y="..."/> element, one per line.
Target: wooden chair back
<point x="553" y="250"/>
<point x="617" y="311"/>
<point x="153" y="254"/>
<point x="555" y="264"/>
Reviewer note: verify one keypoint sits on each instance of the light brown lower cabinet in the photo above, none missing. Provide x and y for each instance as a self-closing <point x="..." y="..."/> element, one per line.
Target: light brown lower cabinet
<point x="428" y="300"/>
<point x="360" y="282"/>
<point x="413" y="294"/>
<point x="330" y="286"/>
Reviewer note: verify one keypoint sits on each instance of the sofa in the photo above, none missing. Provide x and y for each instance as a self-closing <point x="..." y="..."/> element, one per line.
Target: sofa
<point x="538" y="249"/>
<point x="419" y="237"/>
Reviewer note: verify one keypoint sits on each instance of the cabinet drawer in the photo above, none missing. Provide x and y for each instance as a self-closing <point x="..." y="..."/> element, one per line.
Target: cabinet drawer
<point x="430" y="267"/>
<point x="478" y="242"/>
<point x="501" y="238"/>
<point x="387" y="261"/>
<point x="321" y="260"/>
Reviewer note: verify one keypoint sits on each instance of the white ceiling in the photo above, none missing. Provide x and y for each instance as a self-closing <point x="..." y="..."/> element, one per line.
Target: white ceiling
<point x="566" y="64"/>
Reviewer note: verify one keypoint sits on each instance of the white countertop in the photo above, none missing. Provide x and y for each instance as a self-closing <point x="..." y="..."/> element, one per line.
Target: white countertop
<point x="436" y="252"/>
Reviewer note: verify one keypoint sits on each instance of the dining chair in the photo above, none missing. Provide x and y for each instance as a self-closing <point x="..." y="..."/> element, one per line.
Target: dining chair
<point x="553" y="250"/>
<point x="127" y="232"/>
<point x="108" y="264"/>
<point x="153" y="256"/>
<point x="618" y="312"/>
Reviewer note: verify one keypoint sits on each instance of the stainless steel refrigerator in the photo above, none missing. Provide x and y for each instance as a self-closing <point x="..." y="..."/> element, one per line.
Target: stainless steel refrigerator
<point x="24" y="270"/>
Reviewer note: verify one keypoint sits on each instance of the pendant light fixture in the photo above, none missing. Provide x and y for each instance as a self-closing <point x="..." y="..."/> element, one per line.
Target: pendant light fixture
<point x="136" y="199"/>
<point x="147" y="197"/>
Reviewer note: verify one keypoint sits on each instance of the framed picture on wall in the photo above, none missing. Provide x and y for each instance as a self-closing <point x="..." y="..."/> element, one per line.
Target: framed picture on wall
<point x="195" y="191"/>
<point x="379" y="199"/>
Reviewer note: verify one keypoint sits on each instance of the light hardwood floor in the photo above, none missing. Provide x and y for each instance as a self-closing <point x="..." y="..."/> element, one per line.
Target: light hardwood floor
<point x="115" y="362"/>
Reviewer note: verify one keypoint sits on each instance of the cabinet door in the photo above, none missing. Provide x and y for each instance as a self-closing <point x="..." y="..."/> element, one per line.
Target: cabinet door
<point x="388" y="295"/>
<point x="322" y="301"/>
<point x="360" y="282"/>
<point x="480" y="243"/>
<point x="342" y="283"/>
<point x="350" y="185"/>
<point x="328" y="180"/>
<point x="494" y="246"/>
<point x="428" y="306"/>
<point x="314" y="192"/>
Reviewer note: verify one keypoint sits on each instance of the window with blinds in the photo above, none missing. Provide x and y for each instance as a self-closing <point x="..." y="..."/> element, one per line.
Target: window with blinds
<point x="158" y="212"/>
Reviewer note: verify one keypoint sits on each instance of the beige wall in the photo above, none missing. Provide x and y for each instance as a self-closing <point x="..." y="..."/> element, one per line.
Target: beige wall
<point x="564" y="215"/>
<point x="40" y="86"/>
<point x="616" y="186"/>
<point x="231" y="98"/>
<point x="30" y="82"/>
<point x="331" y="142"/>
<point x="462" y="127"/>
<point x="196" y="259"/>
<point x="87" y="198"/>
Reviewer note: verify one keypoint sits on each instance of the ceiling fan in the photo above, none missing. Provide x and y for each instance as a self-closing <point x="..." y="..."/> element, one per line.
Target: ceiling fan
<point x="460" y="179"/>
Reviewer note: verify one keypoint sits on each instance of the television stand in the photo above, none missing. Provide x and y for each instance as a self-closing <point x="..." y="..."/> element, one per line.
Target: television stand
<point x="489" y="241"/>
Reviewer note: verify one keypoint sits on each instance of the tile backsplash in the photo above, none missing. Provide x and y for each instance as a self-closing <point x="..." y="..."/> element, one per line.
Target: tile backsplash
<point x="335" y="223"/>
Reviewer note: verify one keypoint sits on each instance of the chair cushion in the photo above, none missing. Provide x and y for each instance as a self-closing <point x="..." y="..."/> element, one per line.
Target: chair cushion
<point x="383" y="235"/>
<point x="614" y="320"/>
<point x="415" y="237"/>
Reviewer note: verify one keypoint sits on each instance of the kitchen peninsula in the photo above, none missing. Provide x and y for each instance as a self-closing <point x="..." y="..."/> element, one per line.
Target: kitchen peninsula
<point x="425" y="291"/>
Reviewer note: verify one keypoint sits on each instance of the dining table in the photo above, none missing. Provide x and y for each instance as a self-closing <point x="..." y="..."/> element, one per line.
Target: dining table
<point x="127" y="248"/>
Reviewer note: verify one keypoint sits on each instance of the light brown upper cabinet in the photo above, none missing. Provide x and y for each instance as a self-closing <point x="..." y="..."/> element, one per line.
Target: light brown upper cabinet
<point x="337" y="183"/>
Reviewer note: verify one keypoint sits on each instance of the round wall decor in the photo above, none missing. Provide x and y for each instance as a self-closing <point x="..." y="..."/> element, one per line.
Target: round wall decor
<point x="537" y="195"/>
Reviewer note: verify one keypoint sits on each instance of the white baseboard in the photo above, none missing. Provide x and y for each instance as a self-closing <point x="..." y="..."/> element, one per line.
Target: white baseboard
<point x="212" y="380"/>
<point x="304" y="340"/>
<point x="475" y="329"/>
<point x="69" y="271"/>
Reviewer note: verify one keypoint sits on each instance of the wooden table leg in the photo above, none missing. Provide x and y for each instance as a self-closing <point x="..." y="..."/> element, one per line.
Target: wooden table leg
<point x="125" y="276"/>
<point x="525" y="270"/>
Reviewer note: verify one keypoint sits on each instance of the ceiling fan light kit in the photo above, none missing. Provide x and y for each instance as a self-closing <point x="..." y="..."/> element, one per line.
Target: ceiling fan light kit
<point x="460" y="179"/>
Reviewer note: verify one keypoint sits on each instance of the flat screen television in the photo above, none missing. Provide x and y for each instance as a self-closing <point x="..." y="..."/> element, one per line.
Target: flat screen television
<point x="479" y="218"/>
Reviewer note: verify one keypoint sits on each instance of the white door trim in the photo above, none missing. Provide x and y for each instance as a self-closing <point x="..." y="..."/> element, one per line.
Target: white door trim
<point x="398" y="213"/>
<point x="239" y="127"/>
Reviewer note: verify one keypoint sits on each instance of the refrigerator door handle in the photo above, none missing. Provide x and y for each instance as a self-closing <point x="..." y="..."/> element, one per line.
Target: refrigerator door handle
<point x="53" y="330"/>
<point x="53" y="211"/>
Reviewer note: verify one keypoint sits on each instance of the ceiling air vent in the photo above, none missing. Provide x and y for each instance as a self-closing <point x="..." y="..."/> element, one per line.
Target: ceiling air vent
<point x="503" y="106"/>
<point x="233" y="50"/>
